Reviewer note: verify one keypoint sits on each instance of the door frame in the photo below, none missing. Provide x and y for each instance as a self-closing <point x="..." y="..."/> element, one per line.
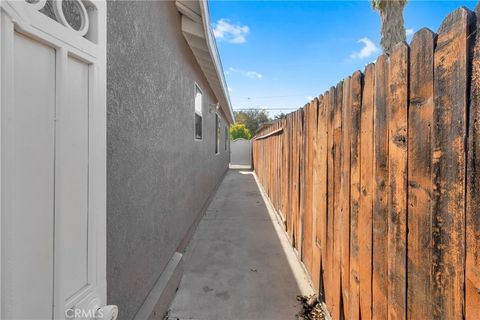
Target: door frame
<point x="19" y="16"/>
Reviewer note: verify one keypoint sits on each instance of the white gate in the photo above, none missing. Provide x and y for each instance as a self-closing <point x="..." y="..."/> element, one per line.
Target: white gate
<point x="53" y="158"/>
<point x="241" y="152"/>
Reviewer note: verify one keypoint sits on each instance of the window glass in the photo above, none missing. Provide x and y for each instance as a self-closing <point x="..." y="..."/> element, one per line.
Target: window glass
<point x="226" y="137"/>
<point x="198" y="113"/>
<point x="198" y="126"/>
<point x="217" y="133"/>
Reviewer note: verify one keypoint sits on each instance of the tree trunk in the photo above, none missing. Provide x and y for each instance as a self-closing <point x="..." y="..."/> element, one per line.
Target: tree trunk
<point x="393" y="30"/>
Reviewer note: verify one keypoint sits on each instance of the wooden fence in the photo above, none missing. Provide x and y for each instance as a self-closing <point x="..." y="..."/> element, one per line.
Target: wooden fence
<point x="378" y="181"/>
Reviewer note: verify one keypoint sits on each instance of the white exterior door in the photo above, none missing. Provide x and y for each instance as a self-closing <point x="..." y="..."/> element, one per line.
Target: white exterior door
<point x="53" y="158"/>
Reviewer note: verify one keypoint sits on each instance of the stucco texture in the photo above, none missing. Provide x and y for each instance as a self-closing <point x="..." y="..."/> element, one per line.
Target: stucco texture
<point x="158" y="176"/>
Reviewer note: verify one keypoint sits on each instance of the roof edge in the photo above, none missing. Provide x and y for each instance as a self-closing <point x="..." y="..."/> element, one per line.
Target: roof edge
<point x="199" y="18"/>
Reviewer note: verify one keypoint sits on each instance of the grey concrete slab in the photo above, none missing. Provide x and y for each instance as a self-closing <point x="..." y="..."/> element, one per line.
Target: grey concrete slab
<point x="239" y="264"/>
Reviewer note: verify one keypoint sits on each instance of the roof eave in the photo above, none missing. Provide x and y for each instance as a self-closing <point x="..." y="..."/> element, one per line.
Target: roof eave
<point x="198" y="34"/>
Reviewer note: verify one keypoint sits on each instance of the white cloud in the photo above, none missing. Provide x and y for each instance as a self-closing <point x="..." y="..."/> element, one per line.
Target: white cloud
<point x="229" y="32"/>
<point x="309" y="98"/>
<point x="248" y="74"/>
<point x="368" y="49"/>
<point x="253" y="75"/>
<point x="409" y="33"/>
<point x="230" y="89"/>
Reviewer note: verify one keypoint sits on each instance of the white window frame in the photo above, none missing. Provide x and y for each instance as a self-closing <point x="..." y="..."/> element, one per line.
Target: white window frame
<point x="197" y="112"/>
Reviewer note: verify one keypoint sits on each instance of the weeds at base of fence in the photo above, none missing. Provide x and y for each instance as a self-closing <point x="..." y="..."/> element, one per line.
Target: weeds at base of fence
<point x="312" y="308"/>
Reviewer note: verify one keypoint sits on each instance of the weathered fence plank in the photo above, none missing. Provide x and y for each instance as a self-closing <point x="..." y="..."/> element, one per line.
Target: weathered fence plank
<point x="306" y="191"/>
<point x="298" y="178"/>
<point x="472" y="271"/>
<point x="302" y="158"/>
<point x="397" y="169"/>
<point x="366" y="190"/>
<point x="380" y="194"/>
<point x="285" y="182"/>
<point x="310" y="129"/>
<point x="449" y="133"/>
<point x="295" y="178"/>
<point x="345" y="196"/>
<point x="356" y="102"/>
<point x="337" y="143"/>
<point x="289" y="213"/>
<point x="317" y="198"/>
<point x="322" y="191"/>
<point x="420" y="115"/>
<point x="330" y="96"/>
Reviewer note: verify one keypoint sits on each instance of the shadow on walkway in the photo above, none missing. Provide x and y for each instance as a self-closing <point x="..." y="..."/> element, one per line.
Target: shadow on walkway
<point x="239" y="264"/>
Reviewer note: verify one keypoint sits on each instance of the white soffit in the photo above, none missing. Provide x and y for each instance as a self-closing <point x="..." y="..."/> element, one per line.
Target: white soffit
<point x="196" y="30"/>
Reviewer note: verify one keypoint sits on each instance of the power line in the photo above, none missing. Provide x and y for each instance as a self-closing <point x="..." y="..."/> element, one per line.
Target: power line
<point x="266" y="109"/>
<point x="269" y="97"/>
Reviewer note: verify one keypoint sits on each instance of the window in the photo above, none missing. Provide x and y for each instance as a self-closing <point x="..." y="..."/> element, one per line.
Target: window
<point x="226" y="137"/>
<point x="198" y="113"/>
<point x="217" y="133"/>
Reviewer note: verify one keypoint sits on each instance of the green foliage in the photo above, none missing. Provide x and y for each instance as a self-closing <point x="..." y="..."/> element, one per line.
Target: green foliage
<point x="380" y="4"/>
<point x="280" y="116"/>
<point x="376" y="4"/>
<point x="252" y="119"/>
<point x="239" y="130"/>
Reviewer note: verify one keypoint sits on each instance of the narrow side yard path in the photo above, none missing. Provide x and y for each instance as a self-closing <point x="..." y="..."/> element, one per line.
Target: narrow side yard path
<point x="239" y="264"/>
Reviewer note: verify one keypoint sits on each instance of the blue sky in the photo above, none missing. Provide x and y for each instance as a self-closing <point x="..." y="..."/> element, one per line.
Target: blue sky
<point x="281" y="54"/>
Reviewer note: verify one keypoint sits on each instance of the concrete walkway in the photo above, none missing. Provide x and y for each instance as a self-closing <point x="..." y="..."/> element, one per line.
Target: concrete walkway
<point x="239" y="264"/>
